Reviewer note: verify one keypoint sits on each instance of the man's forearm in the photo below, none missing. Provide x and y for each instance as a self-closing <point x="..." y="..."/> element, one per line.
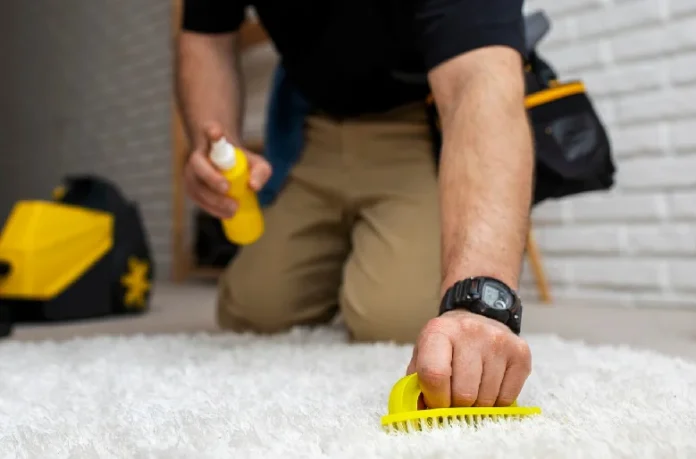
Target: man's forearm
<point x="486" y="168"/>
<point x="209" y="85"/>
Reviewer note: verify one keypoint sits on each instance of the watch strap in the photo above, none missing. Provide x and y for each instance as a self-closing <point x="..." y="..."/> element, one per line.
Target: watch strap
<point x="465" y="294"/>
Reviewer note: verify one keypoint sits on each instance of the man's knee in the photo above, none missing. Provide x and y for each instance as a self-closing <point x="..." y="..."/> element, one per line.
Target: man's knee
<point x="372" y="331"/>
<point x="248" y="307"/>
<point x="268" y="304"/>
<point x="383" y="316"/>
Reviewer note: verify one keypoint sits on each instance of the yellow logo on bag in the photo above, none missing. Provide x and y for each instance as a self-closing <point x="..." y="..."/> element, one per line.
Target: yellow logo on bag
<point x="136" y="283"/>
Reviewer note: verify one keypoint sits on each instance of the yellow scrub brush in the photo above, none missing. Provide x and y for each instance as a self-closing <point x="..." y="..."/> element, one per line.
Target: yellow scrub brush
<point x="404" y="414"/>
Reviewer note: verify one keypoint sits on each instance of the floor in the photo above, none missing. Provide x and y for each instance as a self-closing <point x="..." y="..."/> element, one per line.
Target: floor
<point x="191" y="308"/>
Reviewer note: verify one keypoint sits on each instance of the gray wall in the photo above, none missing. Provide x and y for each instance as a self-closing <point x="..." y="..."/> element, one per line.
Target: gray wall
<point x="85" y="87"/>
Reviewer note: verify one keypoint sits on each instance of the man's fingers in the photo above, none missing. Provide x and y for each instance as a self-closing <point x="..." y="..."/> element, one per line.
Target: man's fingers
<point x="207" y="204"/>
<point x="260" y="171"/>
<point x="207" y="173"/>
<point x="491" y="380"/>
<point x="212" y="202"/>
<point x="434" y="367"/>
<point x="218" y="204"/>
<point x="466" y="377"/>
<point x="511" y="386"/>
<point x="517" y="372"/>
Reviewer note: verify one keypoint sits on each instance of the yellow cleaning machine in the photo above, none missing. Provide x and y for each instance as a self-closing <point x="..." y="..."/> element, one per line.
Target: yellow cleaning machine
<point x="84" y="254"/>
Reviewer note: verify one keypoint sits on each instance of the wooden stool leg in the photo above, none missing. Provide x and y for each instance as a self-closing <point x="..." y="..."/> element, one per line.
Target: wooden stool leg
<point x="538" y="269"/>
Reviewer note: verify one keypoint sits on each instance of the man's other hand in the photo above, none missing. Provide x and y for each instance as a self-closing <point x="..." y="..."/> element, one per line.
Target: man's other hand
<point x="463" y="359"/>
<point x="207" y="186"/>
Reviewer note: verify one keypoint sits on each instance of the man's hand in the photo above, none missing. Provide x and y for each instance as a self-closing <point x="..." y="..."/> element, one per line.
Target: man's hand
<point x="463" y="359"/>
<point x="207" y="186"/>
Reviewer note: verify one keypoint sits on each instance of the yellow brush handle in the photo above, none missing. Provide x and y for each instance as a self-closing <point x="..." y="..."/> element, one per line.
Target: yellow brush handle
<point x="405" y="394"/>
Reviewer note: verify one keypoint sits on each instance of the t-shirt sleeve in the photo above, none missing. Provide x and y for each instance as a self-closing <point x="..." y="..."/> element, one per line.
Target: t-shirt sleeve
<point x="448" y="28"/>
<point x="213" y="16"/>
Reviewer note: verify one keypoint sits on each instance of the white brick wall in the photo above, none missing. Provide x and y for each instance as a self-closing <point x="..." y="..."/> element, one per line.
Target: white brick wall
<point x="635" y="246"/>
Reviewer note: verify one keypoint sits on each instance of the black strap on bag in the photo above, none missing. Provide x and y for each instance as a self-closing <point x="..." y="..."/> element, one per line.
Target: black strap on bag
<point x="573" y="150"/>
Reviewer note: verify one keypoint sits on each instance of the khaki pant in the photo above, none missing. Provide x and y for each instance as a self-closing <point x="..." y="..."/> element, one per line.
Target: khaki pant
<point x="355" y="229"/>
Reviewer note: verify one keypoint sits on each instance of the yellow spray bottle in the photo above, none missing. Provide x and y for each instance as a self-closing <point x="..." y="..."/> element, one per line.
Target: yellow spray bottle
<point x="247" y="224"/>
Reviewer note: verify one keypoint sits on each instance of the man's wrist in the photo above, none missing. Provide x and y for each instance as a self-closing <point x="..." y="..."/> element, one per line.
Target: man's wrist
<point x="506" y="277"/>
<point x="484" y="296"/>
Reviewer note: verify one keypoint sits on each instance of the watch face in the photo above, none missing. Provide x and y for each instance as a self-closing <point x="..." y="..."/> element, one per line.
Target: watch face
<point x="494" y="297"/>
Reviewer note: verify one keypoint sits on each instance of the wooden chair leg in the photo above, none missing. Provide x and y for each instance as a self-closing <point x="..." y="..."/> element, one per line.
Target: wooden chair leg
<point x="180" y="263"/>
<point x="538" y="269"/>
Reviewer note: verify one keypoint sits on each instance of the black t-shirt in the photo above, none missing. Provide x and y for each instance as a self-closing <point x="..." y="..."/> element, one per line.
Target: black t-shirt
<point x="348" y="57"/>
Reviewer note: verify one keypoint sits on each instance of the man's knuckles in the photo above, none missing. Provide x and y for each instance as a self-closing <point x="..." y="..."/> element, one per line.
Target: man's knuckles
<point x="523" y="355"/>
<point x="439" y="325"/>
<point x="522" y="349"/>
<point x="478" y="329"/>
<point x="433" y="376"/>
<point x="499" y="341"/>
<point x="470" y="325"/>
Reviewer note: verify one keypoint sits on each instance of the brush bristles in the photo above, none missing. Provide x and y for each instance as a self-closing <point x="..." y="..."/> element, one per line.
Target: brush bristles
<point x="433" y="422"/>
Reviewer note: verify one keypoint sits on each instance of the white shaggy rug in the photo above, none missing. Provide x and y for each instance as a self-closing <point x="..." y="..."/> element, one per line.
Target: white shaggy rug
<point x="310" y="395"/>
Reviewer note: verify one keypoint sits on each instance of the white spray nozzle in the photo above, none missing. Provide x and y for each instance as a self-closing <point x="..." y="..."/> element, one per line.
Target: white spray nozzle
<point x="222" y="154"/>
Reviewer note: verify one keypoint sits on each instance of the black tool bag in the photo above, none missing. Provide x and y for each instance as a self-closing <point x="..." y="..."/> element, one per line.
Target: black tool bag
<point x="118" y="282"/>
<point x="131" y="239"/>
<point x="5" y="310"/>
<point x="573" y="149"/>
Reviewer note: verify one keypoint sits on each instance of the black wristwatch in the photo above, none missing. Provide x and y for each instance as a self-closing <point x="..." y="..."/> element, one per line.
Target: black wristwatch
<point x="486" y="296"/>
